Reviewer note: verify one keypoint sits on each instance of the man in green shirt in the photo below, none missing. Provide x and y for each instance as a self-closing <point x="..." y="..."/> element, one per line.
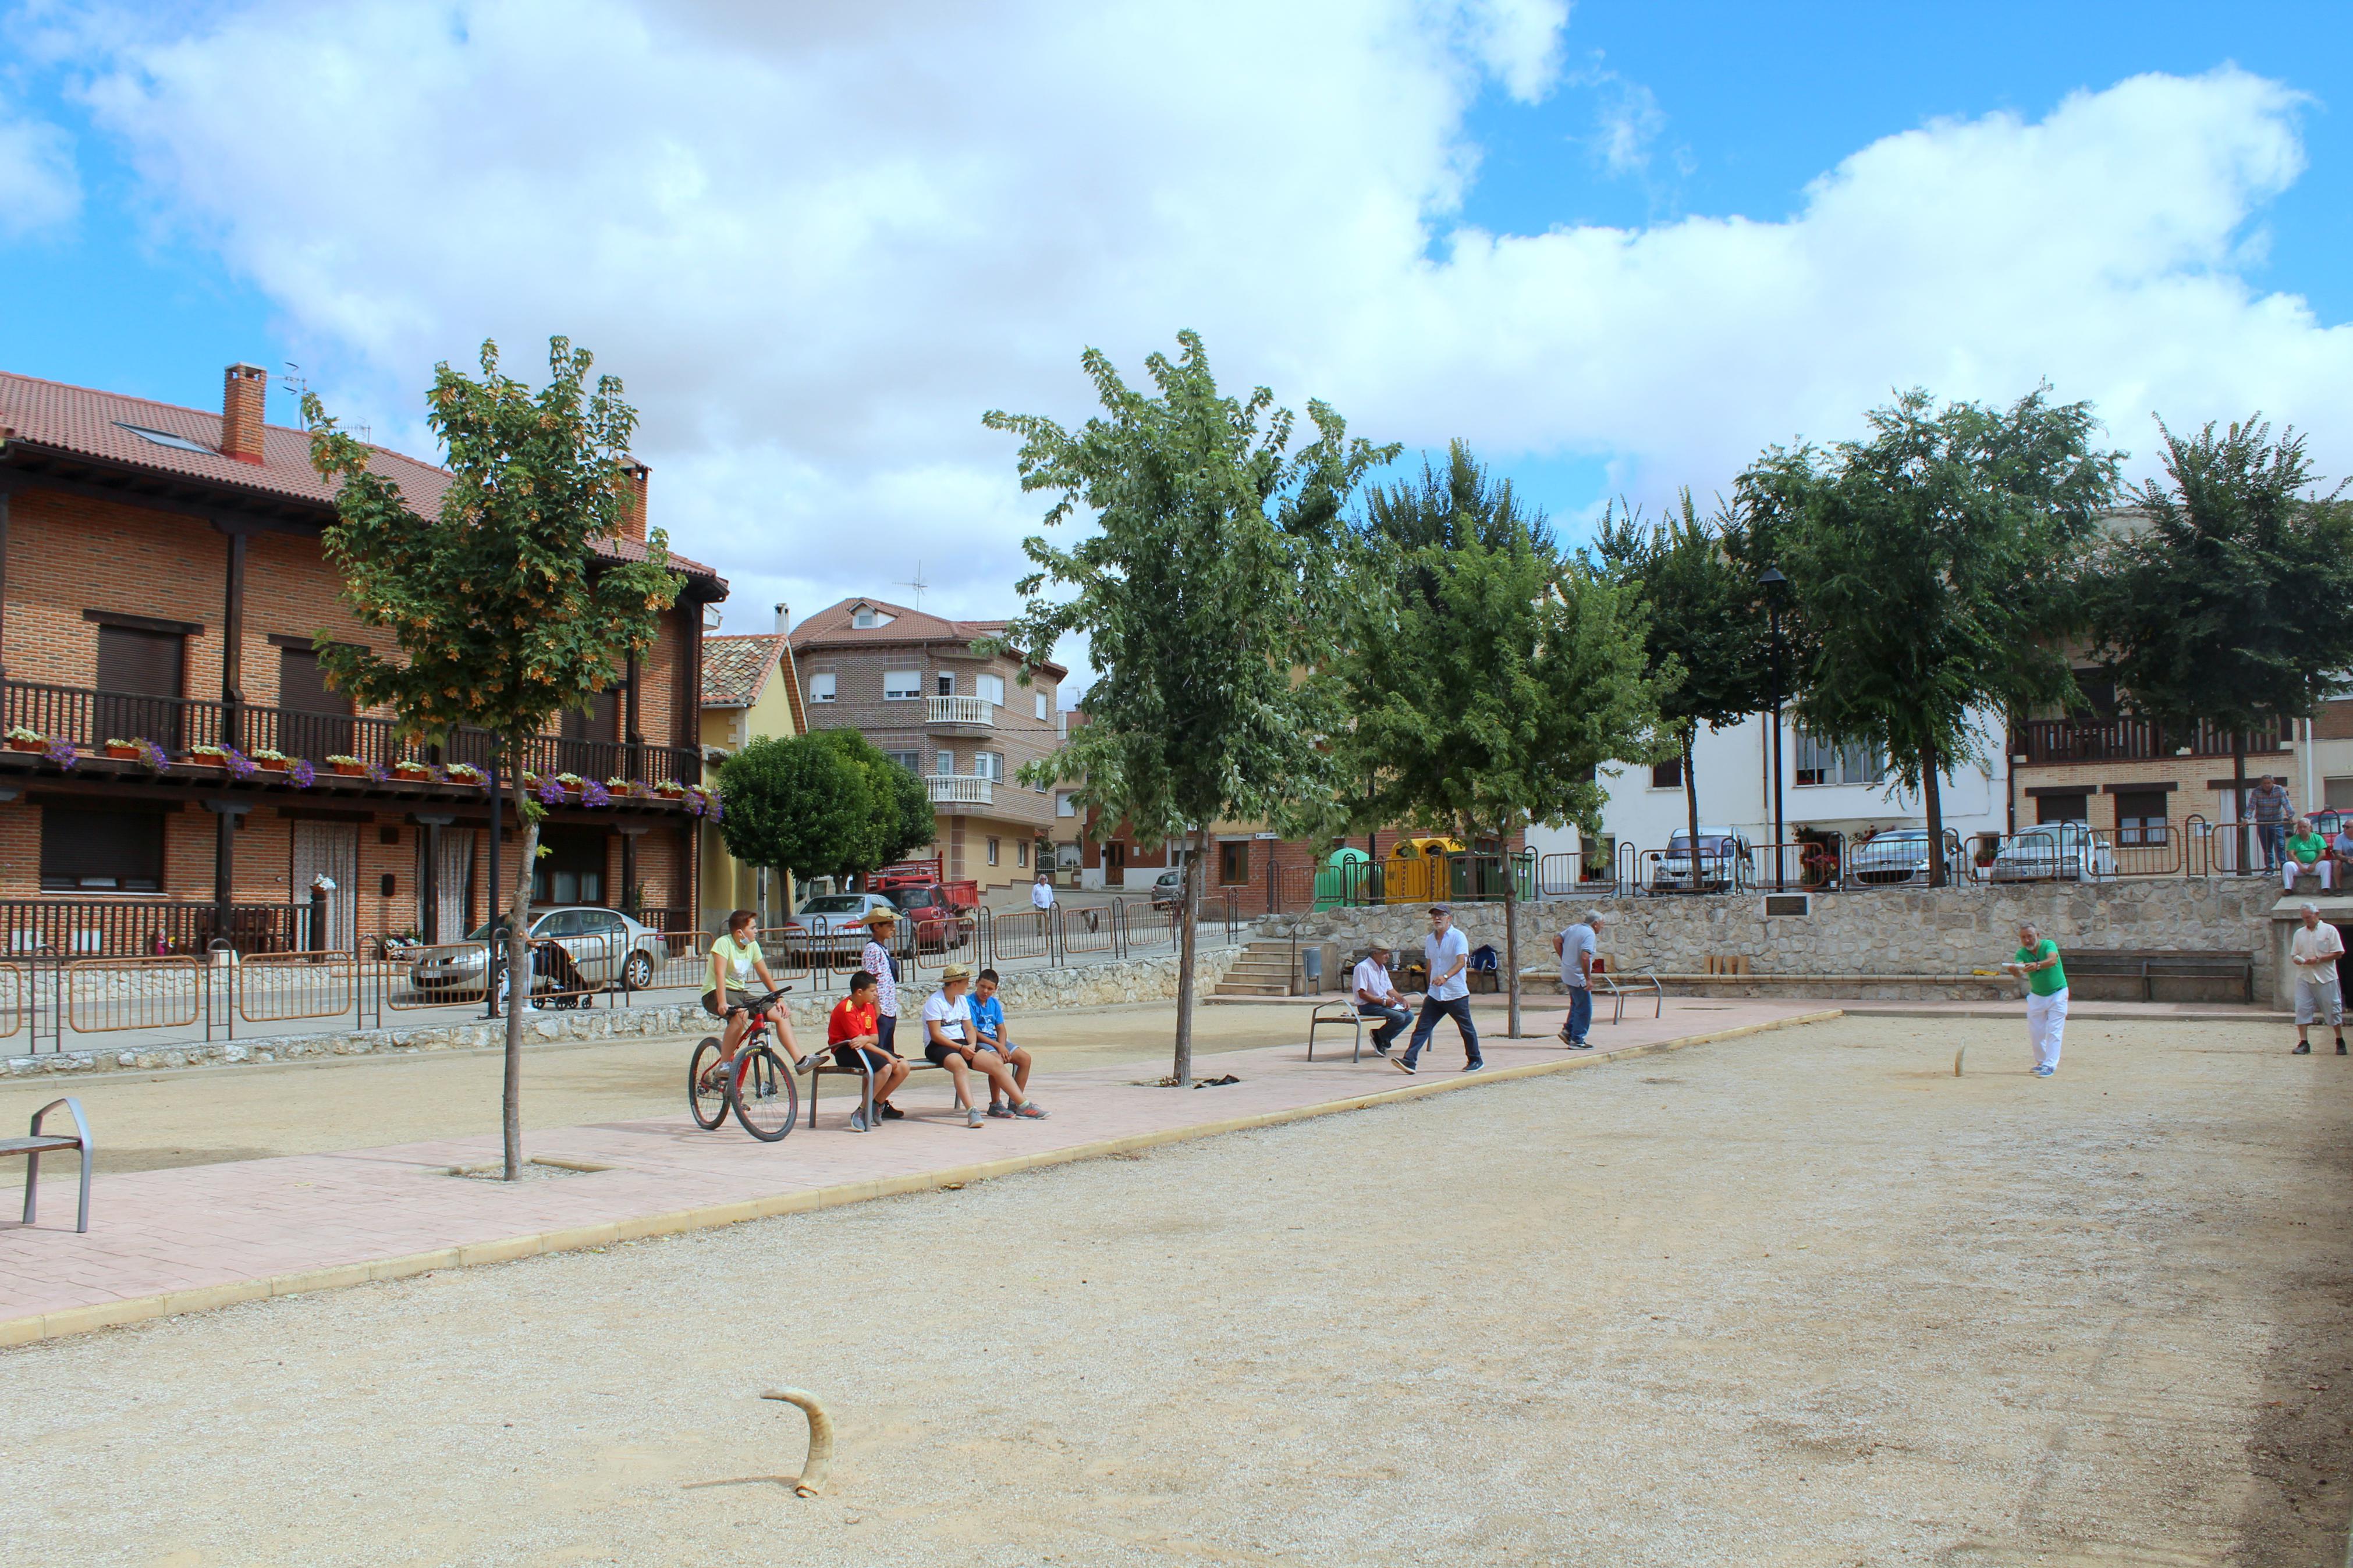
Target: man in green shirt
<point x="2305" y="850"/>
<point x="2046" y="1002"/>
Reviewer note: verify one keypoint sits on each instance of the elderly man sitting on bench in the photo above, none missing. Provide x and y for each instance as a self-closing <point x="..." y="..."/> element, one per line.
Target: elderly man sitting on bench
<point x="948" y="1042"/>
<point x="1377" y="997"/>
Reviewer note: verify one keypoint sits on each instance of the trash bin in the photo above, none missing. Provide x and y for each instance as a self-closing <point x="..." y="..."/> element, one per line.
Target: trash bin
<point x="1344" y="878"/>
<point x="1310" y="960"/>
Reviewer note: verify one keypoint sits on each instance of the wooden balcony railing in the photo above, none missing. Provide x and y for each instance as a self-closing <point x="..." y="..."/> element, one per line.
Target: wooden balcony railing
<point x="2045" y="740"/>
<point x="90" y="719"/>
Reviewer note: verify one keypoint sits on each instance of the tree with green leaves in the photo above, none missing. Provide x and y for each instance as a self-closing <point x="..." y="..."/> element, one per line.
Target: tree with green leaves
<point x="1487" y="675"/>
<point x="826" y="803"/>
<point x="898" y="818"/>
<point x="503" y="609"/>
<point x="1209" y="594"/>
<point x="1704" y="620"/>
<point x="2233" y="605"/>
<point x="1932" y="565"/>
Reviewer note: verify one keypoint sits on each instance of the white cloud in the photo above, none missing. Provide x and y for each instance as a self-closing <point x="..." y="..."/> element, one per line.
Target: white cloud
<point x="39" y="189"/>
<point x="818" y="241"/>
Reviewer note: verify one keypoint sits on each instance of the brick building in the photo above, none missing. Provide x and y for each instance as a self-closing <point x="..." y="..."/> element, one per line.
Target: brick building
<point x="750" y="692"/>
<point x="917" y="686"/>
<point x="162" y="580"/>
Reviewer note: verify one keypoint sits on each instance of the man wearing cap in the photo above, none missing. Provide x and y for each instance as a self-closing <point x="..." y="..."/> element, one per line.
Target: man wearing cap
<point x="1376" y="998"/>
<point x="2315" y="950"/>
<point x="1447" y="954"/>
<point x="1577" y="947"/>
<point x="948" y="1042"/>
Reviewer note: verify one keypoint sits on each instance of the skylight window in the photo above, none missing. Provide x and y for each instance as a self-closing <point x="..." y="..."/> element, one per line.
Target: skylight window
<point x="165" y="438"/>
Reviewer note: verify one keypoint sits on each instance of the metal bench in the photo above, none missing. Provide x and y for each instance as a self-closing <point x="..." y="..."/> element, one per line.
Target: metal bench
<point x="40" y="1143"/>
<point x="1336" y="1014"/>
<point x="1636" y="985"/>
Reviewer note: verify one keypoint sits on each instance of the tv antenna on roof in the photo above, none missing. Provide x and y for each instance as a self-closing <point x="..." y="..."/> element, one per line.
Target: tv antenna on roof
<point x="917" y="583"/>
<point x="295" y="384"/>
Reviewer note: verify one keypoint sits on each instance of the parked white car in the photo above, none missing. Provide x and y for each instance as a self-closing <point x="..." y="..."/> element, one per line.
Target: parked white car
<point x="1726" y="863"/>
<point x="1899" y="857"/>
<point x="830" y="924"/>
<point x="2054" y="852"/>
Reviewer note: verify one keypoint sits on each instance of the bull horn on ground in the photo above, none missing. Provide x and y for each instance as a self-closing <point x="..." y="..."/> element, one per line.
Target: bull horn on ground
<point x="821" y="1449"/>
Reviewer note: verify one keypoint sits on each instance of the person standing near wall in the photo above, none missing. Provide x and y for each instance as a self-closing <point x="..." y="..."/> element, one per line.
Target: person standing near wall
<point x="2046" y="1002"/>
<point x="881" y="925"/>
<point x="1577" y="947"/>
<point x="1041" y="893"/>
<point x="2271" y="810"/>
<point x="2315" y="950"/>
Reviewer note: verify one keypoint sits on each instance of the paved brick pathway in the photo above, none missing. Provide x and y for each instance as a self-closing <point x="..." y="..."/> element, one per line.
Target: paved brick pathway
<point x="200" y="1237"/>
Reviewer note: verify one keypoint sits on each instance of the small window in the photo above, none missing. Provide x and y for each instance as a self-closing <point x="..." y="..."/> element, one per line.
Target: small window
<point x="1233" y="864"/>
<point x="116" y="851"/>
<point x="863" y="617"/>
<point x="2140" y="817"/>
<point x="911" y="760"/>
<point x="990" y="687"/>
<point x="1021" y="852"/>
<point x="821" y="688"/>
<point x="2336" y="794"/>
<point x="1667" y="774"/>
<point x="945" y="683"/>
<point x="989" y="765"/>
<point x="1820" y="762"/>
<point x="943" y="764"/>
<point x="992" y="851"/>
<point x="1040" y="698"/>
<point x="165" y="438"/>
<point x="1063" y="806"/>
<point x="902" y="685"/>
<point x="2063" y="808"/>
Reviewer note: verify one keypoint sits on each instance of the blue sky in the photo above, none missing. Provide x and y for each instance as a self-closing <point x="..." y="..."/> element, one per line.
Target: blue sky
<point x="814" y="284"/>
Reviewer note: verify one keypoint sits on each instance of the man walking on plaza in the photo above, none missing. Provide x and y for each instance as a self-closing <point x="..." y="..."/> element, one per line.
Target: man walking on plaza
<point x="2315" y="950"/>
<point x="1041" y="892"/>
<point x="1577" y="947"/>
<point x="1376" y="998"/>
<point x="1446" y="953"/>
<point x="2046" y="1004"/>
<point x="2268" y="808"/>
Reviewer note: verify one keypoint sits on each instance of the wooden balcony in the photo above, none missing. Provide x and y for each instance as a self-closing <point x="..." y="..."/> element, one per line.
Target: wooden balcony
<point x="87" y="719"/>
<point x="2057" y="742"/>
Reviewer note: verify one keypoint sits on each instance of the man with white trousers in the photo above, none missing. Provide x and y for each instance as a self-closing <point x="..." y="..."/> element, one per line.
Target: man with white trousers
<point x="2315" y="950"/>
<point x="2038" y="965"/>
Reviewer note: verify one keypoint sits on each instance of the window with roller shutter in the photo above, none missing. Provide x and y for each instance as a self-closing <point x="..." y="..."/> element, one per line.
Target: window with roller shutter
<point x="313" y="720"/>
<point x="139" y="683"/>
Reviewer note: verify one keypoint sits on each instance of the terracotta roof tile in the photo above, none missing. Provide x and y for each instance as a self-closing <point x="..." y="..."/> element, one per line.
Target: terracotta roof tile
<point x="735" y="669"/>
<point x="106" y="426"/>
<point x="830" y="627"/>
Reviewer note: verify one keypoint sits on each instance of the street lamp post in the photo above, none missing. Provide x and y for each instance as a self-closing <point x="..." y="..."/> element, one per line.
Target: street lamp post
<point x="1773" y="583"/>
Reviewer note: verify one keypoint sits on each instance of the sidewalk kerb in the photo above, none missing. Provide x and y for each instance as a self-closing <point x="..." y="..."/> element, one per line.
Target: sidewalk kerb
<point x="140" y="1309"/>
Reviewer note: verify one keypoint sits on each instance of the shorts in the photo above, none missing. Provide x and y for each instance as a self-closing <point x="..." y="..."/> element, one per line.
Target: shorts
<point x="850" y="1057"/>
<point x="2318" y="1001"/>
<point x="735" y="1000"/>
<point x="937" y="1054"/>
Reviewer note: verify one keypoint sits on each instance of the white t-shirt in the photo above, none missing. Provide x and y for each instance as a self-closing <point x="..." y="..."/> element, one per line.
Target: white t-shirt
<point x="1576" y="939"/>
<point x="1373" y="979"/>
<point x="954" y="1018"/>
<point x="1042" y="894"/>
<point x="1442" y="952"/>
<point x="2320" y="942"/>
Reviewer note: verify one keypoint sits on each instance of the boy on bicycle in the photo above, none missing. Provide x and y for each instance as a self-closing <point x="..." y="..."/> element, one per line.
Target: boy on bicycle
<point x="988" y="1026"/>
<point x="854" y="1031"/>
<point x="735" y="958"/>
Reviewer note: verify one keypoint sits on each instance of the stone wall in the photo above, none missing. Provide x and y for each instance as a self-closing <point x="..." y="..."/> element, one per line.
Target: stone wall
<point x="1927" y="943"/>
<point x="1024" y="990"/>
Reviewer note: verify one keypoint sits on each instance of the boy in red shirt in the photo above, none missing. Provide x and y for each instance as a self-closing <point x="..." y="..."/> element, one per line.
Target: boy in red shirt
<point x="854" y="1031"/>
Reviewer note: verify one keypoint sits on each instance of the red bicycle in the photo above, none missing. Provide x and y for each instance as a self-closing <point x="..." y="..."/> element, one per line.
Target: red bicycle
<point x="761" y="1090"/>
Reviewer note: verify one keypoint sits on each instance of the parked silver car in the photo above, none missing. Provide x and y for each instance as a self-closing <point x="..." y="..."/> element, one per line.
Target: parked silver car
<point x="1726" y="863"/>
<point x="2054" y="852"/>
<point x="604" y="947"/>
<point x="829" y="923"/>
<point x="1900" y="857"/>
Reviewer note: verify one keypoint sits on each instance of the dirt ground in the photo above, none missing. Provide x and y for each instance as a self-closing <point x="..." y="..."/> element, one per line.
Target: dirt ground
<point x="1803" y="1298"/>
<point x="146" y="1121"/>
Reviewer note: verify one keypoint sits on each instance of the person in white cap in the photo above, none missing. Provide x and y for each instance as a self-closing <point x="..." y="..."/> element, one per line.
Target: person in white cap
<point x="2315" y="950"/>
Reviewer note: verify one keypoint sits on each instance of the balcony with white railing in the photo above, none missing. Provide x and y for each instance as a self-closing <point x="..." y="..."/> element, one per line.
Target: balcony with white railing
<point x="957" y="712"/>
<point x="961" y="789"/>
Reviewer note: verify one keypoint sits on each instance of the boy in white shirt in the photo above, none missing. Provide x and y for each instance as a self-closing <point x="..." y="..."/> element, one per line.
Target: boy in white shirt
<point x="948" y="1043"/>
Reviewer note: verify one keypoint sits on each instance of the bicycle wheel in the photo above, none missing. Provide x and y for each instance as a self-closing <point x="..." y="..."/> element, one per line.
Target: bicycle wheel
<point x="764" y="1095"/>
<point x="705" y="1101"/>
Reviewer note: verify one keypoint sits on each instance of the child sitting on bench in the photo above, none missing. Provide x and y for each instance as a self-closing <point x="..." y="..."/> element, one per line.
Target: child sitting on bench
<point x="854" y="1034"/>
<point x="988" y="1026"/>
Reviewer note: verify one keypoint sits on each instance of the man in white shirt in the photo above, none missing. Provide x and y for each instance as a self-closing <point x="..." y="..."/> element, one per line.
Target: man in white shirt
<point x="1041" y="892"/>
<point x="1448" y="954"/>
<point x="2315" y="950"/>
<point x="1376" y="998"/>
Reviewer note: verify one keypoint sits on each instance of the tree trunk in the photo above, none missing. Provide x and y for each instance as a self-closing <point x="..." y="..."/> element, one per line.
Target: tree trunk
<point x="1187" y="944"/>
<point x="1511" y="927"/>
<point x="2239" y="795"/>
<point x="519" y="978"/>
<point x="1690" y="801"/>
<point x="1936" y="800"/>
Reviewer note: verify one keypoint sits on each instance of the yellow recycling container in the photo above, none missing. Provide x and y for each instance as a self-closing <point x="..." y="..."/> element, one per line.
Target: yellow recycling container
<point x="1416" y="872"/>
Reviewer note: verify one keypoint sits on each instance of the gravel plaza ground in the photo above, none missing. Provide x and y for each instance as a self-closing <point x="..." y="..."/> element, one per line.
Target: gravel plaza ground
<point x="1802" y="1297"/>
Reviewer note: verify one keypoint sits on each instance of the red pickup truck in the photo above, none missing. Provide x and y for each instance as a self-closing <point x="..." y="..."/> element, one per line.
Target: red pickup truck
<point x="935" y="907"/>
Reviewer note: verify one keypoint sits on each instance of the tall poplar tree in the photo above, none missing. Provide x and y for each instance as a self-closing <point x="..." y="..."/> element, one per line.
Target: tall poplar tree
<point x="502" y="610"/>
<point x="1209" y="596"/>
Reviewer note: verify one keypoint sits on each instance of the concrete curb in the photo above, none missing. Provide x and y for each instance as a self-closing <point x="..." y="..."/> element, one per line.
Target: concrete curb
<point x="143" y="1309"/>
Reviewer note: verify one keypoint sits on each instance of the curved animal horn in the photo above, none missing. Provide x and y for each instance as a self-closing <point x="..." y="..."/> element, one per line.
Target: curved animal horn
<point x="820" y="1448"/>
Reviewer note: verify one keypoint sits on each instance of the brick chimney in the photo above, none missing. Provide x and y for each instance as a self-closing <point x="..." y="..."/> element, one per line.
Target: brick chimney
<point x="634" y="475"/>
<point x="241" y="406"/>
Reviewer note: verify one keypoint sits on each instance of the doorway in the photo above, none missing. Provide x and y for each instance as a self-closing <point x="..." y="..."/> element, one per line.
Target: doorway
<point x="329" y="850"/>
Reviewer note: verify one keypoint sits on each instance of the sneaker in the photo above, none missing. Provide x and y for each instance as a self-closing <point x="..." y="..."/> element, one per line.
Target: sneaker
<point x="891" y="1112"/>
<point x="2044" y="1072"/>
<point x="2303" y="1048"/>
<point x="1580" y="1044"/>
<point x="857" y="1121"/>
<point x="1475" y="1066"/>
<point x="1403" y="1064"/>
<point x="1379" y="1049"/>
<point x="1563" y="1039"/>
<point x="2340" y="1045"/>
<point x="1029" y="1110"/>
<point x="971" y="1117"/>
<point x="997" y="1108"/>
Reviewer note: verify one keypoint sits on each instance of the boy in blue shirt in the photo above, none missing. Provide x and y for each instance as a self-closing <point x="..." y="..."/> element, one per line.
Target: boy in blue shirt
<point x="988" y="1030"/>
